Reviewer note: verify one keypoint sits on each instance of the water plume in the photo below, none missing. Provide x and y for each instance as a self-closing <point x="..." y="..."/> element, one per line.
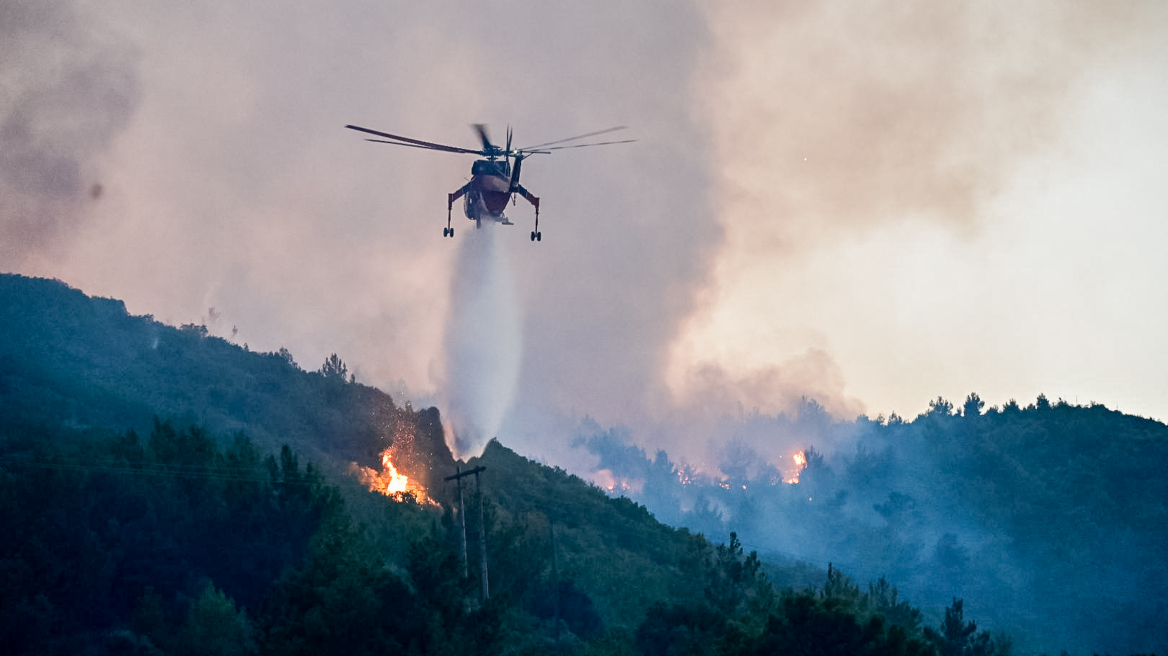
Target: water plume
<point x="482" y="341"/>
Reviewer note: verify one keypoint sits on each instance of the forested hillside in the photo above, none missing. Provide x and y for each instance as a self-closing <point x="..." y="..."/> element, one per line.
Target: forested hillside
<point x="163" y="491"/>
<point x="1049" y="520"/>
<point x="87" y="363"/>
<point x="172" y="543"/>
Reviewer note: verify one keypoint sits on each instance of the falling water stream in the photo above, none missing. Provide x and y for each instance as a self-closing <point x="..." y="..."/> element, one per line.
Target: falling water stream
<point x="483" y="344"/>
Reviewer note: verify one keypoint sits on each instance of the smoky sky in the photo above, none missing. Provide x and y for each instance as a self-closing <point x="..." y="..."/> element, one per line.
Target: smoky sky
<point x="847" y="139"/>
<point x="878" y="111"/>
<point x="765" y="133"/>
<point x="833" y="121"/>
<point x="68" y="90"/>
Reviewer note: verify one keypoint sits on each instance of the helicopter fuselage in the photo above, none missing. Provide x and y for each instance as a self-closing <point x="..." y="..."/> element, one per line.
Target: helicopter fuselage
<point x="488" y="191"/>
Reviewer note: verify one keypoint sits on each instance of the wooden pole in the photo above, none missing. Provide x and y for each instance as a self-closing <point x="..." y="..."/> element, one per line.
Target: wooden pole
<point x="555" y="579"/>
<point x="462" y="518"/>
<point x="458" y="476"/>
<point x="482" y="537"/>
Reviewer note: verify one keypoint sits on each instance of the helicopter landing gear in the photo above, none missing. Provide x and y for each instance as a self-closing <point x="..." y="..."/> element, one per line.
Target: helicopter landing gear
<point x="536" y="235"/>
<point x="448" y="231"/>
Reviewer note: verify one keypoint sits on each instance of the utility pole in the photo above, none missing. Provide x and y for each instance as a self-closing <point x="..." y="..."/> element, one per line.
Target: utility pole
<point x="462" y="518"/>
<point x="555" y="580"/>
<point x="458" y="476"/>
<point x="482" y="535"/>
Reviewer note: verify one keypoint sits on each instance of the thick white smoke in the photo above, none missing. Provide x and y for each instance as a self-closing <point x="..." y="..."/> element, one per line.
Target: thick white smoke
<point x="482" y="341"/>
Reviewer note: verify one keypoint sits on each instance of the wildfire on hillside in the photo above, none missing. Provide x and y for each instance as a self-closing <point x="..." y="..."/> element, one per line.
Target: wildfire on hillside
<point x="391" y="481"/>
<point x="606" y="480"/>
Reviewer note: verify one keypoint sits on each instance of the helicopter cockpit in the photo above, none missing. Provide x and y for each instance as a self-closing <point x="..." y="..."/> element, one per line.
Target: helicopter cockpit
<point x="488" y="167"/>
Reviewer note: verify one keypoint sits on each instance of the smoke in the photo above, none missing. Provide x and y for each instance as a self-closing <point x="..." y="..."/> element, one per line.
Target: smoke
<point x="66" y="91"/>
<point x="675" y="271"/>
<point x="753" y="251"/>
<point x="863" y="152"/>
<point x="482" y="340"/>
<point x="952" y="504"/>
<point x="877" y="112"/>
<point x="691" y="276"/>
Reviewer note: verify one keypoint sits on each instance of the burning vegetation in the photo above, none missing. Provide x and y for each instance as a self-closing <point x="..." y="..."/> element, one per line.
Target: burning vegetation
<point x="390" y="482"/>
<point x="800" y="464"/>
<point x="398" y="458"/>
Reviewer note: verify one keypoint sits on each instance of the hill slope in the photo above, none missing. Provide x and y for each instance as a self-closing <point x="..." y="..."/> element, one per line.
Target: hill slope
<point x="1053" y="513"/>
<point x="142" y="511"/>
<point x="1049" y="520"/>
<point x="87" y="363"/>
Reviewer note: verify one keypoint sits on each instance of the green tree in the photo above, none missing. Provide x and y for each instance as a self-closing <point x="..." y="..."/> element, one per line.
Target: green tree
<point x="955" y="633"/>
<point x="150" y="618"/>
<point x="286" y="356"/>
<point x="882" y="599"/>
<point x="973" y="405"/>
<point x="960" y="638"/>
<point x="334" y="368"/>
<point x="810" y="625"/>
<point x="733" y="609"/>
<point x="940" y="407"/>
<point x="215" y="626"/>
<point x="341" y="600"/>
<point x="839" y="591"/>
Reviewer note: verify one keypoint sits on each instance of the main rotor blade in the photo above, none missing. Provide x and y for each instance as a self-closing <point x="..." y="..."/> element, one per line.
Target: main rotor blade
<point x="600" y="143"/>
<point x="482" y="130"/>
<point x="416" y="142"/>
<point x="408" y="145"/>
<point x="582" y="136"/>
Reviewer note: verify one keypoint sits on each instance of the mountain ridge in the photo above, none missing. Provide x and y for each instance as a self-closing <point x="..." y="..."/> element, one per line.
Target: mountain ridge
<point x="1025" y="477"/>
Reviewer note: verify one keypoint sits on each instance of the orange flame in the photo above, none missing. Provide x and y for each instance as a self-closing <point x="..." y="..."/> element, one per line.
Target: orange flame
<point x="390" y="482"/>
<point x="800" y="464"/>
<point x="395" y="483"/>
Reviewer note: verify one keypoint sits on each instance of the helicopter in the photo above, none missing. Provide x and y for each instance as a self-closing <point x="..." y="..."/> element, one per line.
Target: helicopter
<point x="494" y="180"/>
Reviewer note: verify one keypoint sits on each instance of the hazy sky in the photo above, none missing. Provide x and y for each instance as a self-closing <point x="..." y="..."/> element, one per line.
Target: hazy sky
<point x="871" y="204"/>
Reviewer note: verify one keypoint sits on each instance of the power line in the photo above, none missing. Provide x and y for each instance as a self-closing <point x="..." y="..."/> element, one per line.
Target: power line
<point x="208" y="472"/>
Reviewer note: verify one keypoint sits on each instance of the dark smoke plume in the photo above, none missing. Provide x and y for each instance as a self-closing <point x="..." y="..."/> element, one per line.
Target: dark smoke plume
<point x="67" y="92"/>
